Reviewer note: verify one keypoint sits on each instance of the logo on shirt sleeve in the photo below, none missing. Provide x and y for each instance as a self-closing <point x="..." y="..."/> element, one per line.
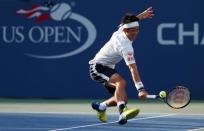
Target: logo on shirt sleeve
<point x="130" y="56"/>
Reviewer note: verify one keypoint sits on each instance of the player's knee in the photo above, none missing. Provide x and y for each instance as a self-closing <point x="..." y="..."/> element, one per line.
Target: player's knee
<point x="121" y="83"/>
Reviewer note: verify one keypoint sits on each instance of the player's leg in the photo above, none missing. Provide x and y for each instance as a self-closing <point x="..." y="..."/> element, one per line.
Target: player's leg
<point x="101" y="74"/>
<point x="120" y="91"/>
<point x="121" y="99"/>
<point x="111" y="102"/>
<point x="101" y="107"/>
<point x="109" y="76"/>
<point x="111" y="89"/>
<point x="110" y="86"/>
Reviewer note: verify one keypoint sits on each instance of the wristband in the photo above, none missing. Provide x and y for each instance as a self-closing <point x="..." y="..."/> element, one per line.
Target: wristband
<point x="139" y="85"/>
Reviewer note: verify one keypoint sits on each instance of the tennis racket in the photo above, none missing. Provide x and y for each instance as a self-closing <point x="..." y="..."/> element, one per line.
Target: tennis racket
<point x="178" y="97"/>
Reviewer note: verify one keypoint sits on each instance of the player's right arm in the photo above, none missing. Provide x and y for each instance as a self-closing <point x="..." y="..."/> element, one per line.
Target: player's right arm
<point x="137" y="81"/>
<point x="128" y="55"/>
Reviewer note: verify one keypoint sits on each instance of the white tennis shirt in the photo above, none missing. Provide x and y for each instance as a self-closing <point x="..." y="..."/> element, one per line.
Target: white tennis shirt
<point x="117" y="48"/>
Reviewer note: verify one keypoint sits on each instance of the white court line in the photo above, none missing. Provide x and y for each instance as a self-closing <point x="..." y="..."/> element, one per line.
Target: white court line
<point x="202" y="129"/>
<point x="99" y="124"/>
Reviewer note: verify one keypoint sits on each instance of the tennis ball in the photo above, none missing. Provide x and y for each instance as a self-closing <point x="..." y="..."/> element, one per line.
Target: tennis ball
<point x="60" y="11"/>
<point x="162" y="94"/>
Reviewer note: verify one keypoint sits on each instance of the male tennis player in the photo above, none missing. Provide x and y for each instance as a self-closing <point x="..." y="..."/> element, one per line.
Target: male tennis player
<point x="102" y="67"/>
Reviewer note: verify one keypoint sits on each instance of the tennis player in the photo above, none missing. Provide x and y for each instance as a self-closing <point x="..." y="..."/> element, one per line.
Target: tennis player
<point x="102" y="67"/>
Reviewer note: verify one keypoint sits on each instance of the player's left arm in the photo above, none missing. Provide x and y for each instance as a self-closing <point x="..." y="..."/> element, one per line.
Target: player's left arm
<point x="147" y="14"/>
<point x="137" y="80"/>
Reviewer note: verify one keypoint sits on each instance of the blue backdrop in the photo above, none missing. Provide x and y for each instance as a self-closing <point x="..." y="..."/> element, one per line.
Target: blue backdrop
<point x="45" y="48"/>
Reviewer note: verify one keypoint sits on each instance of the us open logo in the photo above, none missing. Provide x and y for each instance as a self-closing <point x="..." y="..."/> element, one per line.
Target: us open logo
<point x="64" y="29"/>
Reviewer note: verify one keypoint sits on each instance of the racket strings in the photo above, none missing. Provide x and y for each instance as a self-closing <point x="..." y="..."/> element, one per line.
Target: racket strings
<point x="179" y="97"/>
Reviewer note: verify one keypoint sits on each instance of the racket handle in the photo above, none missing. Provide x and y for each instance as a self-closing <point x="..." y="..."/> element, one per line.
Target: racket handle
<point x="152" y="96"/>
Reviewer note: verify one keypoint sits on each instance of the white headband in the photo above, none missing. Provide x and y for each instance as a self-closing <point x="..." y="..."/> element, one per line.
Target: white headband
<point x="130" y="25"/>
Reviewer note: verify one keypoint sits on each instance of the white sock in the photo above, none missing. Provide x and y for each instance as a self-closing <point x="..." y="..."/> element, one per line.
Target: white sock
<point x="102" y="106"/>
<point x="120" y="103"/>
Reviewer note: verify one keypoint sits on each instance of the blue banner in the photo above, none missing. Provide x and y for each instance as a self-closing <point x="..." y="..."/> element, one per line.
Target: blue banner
<point x="45" y="46"/>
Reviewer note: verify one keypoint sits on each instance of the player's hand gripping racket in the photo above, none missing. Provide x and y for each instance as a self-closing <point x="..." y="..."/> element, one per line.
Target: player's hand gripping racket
<point x="178" y="97"/>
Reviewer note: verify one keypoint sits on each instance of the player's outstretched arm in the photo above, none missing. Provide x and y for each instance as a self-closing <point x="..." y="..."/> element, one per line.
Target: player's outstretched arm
<point x="147" y="14"/>
<point x="138" y="83"/>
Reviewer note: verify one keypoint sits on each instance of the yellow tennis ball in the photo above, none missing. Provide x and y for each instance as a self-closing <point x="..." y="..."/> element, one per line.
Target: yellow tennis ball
<point x="162" y="94"/>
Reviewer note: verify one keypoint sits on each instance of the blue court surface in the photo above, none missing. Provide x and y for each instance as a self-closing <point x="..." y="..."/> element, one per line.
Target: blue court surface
<point x="88" y="122"/>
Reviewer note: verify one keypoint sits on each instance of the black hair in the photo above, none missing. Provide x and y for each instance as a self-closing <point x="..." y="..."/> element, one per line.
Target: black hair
<point x="128" y="18"/>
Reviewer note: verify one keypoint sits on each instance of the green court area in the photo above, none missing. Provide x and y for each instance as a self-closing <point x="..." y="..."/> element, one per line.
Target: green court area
<point x="83" y="106"/>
